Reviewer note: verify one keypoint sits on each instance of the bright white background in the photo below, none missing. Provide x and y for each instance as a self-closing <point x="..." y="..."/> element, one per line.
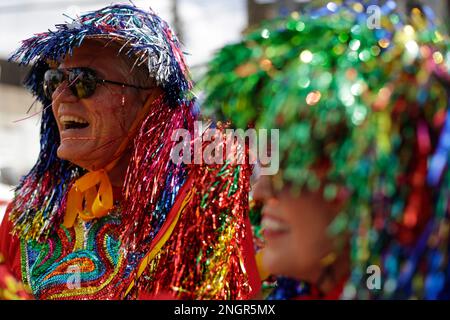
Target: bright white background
<point x="206" y="24"/>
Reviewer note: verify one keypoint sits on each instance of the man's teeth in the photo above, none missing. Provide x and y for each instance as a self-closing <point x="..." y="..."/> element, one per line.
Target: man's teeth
<point x="66" y="119"/>
<point x="273" y="225"/>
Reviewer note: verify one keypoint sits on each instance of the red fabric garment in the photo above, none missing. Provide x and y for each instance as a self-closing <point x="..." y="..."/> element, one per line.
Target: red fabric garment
<point x="10" y="288"/>
<point x="10" y="247"/>
<point x="250" y="261"/>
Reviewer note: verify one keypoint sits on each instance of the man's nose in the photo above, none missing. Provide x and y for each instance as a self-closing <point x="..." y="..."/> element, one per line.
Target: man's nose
<point x="63" y="94"/>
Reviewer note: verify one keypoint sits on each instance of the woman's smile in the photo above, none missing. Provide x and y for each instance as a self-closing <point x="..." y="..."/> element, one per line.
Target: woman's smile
<point x="273" y="227"/>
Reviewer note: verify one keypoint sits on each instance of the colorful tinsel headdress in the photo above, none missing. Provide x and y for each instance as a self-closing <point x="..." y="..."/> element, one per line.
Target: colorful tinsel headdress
<point x="40" y="199"/>
<point x="145" y="37"/>
<point x="372" y="102"/>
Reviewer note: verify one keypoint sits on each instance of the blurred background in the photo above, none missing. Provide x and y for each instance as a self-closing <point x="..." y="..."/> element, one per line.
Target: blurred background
<point x="202" y="25"/>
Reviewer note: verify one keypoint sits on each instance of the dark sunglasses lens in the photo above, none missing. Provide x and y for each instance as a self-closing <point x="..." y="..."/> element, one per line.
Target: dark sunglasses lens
<point x="52" y="79"/>
<point x="82" y="82"/>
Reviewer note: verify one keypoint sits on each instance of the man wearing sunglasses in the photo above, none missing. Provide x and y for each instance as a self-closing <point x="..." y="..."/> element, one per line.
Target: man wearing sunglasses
<point x="105" y="213"/>
<point x="90" y="129"/>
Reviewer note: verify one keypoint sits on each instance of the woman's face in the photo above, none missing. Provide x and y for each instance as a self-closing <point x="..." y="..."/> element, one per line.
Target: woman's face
<point x="295" y="230"/>
<point x="109" y="112"/>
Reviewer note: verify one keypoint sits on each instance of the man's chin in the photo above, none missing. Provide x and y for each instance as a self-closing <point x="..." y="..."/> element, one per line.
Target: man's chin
<point x="77" y="157"/>
<point x="82" y="157"/>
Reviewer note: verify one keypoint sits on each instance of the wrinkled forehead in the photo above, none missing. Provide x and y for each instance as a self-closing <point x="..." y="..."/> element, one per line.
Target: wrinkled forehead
<point x="104" y="57"/>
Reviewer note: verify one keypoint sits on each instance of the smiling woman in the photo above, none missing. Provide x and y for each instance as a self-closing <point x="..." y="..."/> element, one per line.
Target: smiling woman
<point x="364" y="121"/>
<point x="104" y="204"/>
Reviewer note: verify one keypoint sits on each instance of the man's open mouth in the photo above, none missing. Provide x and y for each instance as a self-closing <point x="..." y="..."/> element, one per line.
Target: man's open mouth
<point x="72" y="122"/>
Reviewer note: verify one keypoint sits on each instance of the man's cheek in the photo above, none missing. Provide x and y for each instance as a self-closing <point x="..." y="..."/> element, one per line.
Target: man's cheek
<point x="121" y="120"/>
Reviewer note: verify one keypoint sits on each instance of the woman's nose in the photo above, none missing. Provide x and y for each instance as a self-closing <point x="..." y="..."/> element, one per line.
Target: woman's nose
<point x="262" y="190"/>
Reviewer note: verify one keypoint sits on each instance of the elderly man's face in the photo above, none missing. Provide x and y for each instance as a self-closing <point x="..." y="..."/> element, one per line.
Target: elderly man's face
<point x="109" y="112"/>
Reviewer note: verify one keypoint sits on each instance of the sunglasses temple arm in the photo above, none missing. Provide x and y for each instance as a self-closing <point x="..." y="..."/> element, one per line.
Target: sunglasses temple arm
<point x="122" y="84"/>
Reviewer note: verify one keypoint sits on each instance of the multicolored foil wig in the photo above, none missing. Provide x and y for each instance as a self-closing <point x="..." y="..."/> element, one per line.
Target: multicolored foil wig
<point x="39" y="201"/>
<point x="371" y="99"/>
<point x="150" y="190"/>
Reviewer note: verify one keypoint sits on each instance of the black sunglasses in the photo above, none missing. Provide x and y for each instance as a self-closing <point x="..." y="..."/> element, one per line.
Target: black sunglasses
<point x="81" y="81"/>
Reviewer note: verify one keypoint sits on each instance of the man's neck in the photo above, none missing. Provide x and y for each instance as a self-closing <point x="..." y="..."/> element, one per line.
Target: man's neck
<point x="117" y="174"/>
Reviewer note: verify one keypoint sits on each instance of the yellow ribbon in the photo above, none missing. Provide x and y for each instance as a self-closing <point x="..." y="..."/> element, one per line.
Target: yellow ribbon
<point x="263" y="273"/>
<point x="90" y="197"/>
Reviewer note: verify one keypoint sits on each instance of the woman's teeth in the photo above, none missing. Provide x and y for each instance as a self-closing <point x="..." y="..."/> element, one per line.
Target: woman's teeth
<point x="274" y="225"/>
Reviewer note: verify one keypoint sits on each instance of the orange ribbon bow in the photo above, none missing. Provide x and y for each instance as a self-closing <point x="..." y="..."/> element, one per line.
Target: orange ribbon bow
<point x="90" y="197"/>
